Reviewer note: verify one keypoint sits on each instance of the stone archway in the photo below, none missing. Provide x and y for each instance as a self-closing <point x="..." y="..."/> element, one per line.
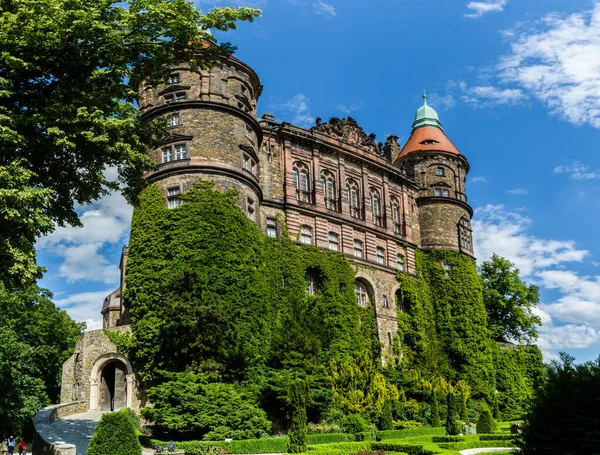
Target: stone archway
<point x="111" y="383"/>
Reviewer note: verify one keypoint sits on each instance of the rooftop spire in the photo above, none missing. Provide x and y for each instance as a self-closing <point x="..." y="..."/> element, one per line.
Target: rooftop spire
<point x="426" y="116"/>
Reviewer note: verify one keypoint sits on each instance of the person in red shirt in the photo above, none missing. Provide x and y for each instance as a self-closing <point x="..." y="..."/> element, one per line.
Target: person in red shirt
<point x="22" y="447"/>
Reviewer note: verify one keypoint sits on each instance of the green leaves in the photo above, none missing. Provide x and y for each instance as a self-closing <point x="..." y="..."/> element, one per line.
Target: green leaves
<point x="115" y="435"/>
<point x="68" y="81"/>
<point x="509" y="302"/>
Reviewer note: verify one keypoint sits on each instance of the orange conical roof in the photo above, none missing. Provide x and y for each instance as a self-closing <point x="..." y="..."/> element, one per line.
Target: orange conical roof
<point x="427" y="134"/>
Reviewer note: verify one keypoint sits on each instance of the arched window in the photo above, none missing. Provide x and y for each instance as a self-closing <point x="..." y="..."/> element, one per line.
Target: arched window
<point x="334" y="241"/>
<point x="300" y="176"/>
<point x="465" y="236"/>
<point x="358" y="249"/>
<point x="396" y="216"/>
<point x="354" y="199"/>
<point x="376" y="207"/>
<point x="329" y="191"/>
<point x="361" y="293"/>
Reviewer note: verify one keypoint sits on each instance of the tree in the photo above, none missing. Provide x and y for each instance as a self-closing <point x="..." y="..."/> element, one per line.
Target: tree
<point x="196" y="405"/>
<point x="435" y="409"/>
<point x="68" y="78"/>
<point x="564" y="414"/>
<point x="452" y="417"/>
<point x="298" y="397"/>
<point x="486" y="424"/>
<point x="509" y="301"/>
<point x="35" y="339"/>
<point x="115" y="435"/>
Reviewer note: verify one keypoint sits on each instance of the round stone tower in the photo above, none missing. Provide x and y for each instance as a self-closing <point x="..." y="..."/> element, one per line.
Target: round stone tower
<point x="214" y="132"/>
<point x="431" y="159"/>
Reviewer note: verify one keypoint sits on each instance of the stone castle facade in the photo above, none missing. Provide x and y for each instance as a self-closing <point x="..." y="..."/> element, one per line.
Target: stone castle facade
<point x="333" y="184"/>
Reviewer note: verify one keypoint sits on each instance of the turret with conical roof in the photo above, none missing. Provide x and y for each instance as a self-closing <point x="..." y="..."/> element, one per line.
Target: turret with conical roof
<point x="441" y="171"/>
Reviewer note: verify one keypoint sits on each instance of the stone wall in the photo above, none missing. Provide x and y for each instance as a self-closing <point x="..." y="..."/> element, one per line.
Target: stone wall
<point x="44" y="442"/>
<point x="439" y="224"/>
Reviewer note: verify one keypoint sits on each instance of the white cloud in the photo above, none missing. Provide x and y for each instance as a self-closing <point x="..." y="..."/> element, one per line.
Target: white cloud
<point x="478" y="180"/>
<point x="499" y="231"/>
<point x="578" y="171"/>
<point x="105" y="222"/>
<point x="348" y="109"/>
<point x="572" y="320"/>
<point x="487" y="96"/>
<point x="518" y="192"/>
<point x="443" y="102"/>
<point x="324" y="8"/>
<point x="478" y="9"/>
<point x="556" y="61"/>
<point x="85" y="307"/>
<point x="297" y="108"/>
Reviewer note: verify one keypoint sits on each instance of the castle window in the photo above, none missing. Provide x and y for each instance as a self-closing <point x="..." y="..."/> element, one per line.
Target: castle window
<point x="243" y="89"/>
<point x="334" y="241"/>
<point x="443" y="192"/>
<point x="329" y="191"/>
<point x="300" y="177"/>
<point x="248" y="163"/>
<point x="353" y="199"/>
<point x="440" y="171"/>
<point x="175" y="97"/>
<point x="249" y="133"/>
<point x="358" y="249"/>
<point x="306" y="235"/>
<point x="311" y="284"/>
<point x="400" y="262"/>
<point x="376" y="207"/>
<point x="389" y="334"/>
<point x="251" y="208"/>
<point x="174" y="78"/>
<point x="380" y="256"/>
<point x="180" y="152"/>
<point x="429" y="142"/>
<point x="271" y="227"/>
<point x="167" y="155"/>
<point x="173" y="200"/>
<point x="360" y="290"/>
<point x="174" y="120"/>
<point x="384" y="301"/>
<point x="396" y="217"/>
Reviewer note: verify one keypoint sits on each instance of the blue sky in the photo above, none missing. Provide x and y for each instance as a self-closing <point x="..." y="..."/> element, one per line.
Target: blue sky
<point x="517" y="87"/>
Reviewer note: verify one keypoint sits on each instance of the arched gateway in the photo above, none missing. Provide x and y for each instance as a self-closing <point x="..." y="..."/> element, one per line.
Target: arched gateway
<point x="111" y="383"/>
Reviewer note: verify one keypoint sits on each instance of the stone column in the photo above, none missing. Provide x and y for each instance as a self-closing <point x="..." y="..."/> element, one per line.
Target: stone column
<point x="94" y="394"/>
<point x="129" y="389"/>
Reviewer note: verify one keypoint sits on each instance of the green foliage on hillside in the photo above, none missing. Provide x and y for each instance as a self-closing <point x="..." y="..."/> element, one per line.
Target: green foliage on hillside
<point x="443" y="324"/>
<point x="115" y="435"/>
<point x="217" y="307"/>
<point x="35" y="339"/>
<point x="208" y="293"/>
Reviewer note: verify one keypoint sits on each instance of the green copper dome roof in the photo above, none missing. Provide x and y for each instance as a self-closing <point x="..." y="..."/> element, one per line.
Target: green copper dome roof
<point x="426" y="116"/>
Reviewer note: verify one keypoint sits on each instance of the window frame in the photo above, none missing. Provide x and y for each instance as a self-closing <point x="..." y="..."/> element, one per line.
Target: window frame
<point x="380" y="255"/>
<point x="400" y="262"/>
<point x="358" y="247"/>
<point x="440" y="171"/>
<point x="306" y="233"/>
<point x="173" y="200"/>
<point x="271" y="225"/>
<point x="361" y="292"/>
<point x="174" y="78"/>
<point x="333" y="239"/>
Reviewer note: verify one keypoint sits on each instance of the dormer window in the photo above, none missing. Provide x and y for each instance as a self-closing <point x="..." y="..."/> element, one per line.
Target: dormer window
<point x="174" y="78"/>
<point x="441" y="172"/>
<point x="441" y="192"/>
<point x="429" y="142"/>
<point x="175" y="97"/>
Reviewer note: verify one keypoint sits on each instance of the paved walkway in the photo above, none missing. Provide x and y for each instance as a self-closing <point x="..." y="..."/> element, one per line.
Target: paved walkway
<point x="75" y="429"/>
<point x="484" y="450"/>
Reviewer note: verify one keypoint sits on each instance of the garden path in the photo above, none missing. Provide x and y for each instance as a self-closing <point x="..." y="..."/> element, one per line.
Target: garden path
<point x="75" y="429"/>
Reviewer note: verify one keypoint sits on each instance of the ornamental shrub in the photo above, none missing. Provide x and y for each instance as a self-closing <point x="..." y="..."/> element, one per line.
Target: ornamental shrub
<point x="435" y="409"/>
<point x="297" y="434"/>
<point x="452" y="427"/>
<point x="386" y="420"/>
<point x="115" y="435"/>
<point x="486" y="423"/>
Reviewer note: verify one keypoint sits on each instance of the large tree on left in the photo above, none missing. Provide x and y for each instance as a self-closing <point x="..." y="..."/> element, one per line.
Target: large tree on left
<point x="68" y="74"/>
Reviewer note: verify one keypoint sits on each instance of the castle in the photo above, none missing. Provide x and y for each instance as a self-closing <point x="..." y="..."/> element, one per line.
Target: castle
<point x="334" y="186"/>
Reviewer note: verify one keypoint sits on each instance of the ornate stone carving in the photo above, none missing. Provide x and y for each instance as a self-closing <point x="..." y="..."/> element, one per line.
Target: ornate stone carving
<point x="347" y="130"/>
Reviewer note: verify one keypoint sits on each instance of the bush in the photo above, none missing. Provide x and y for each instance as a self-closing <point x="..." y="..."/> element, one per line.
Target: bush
<point x="452" y="427"/>
<point x="497" y="437"/>
<point x="437" y="439"/>
<point x="345" y="447"/>
<point x="399" y="434"/>
<point x="407" y="424"/>
<point x="266" y="445"/>
<point x="474" y="443"/>
<point x="324" y="427"/>
<point x="115" y="435"/>
<point x="297" y="434"/>
<point x="409" y="449"/>
<point x="486" y="423"/>
<point x="356" y="423"/>
<point x="386" y="420"/>
<point x="327" y="438"/>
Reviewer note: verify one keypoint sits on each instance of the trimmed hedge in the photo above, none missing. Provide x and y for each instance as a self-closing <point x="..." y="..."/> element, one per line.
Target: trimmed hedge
<point x="409" y="449"/>
<point x="346" y="447"/>
<point x="327" y="438"/>
<point x="399" y="434"/>
<point x="470" y="437"/>
<point x="474" y="444"/>
<point x="242" y="446"/>
<point x="497" y="437"/>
